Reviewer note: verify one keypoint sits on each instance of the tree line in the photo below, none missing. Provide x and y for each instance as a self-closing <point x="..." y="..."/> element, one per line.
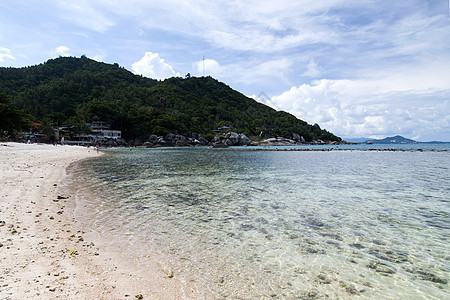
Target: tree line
<point x="70" y="91"/>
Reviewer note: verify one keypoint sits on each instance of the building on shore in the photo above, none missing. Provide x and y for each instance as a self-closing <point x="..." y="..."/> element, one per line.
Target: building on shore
<point x="96" y="132"/>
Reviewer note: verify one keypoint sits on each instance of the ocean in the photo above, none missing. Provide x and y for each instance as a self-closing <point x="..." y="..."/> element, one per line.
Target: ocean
<point x="253" y="223"/>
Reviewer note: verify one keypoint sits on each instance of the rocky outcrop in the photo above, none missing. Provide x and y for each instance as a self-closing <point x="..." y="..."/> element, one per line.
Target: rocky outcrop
<point x="225" y="140"/>
<point x="176" y="140"/>
<point x="152" y="139"/>
<point x="277" y="141"/>
<point x="298" y="138"/>
<point x="281" y="141"/>
<point x="231" y="139"/>
<point x="202" y="140"/>
<point x="244" y="140"/>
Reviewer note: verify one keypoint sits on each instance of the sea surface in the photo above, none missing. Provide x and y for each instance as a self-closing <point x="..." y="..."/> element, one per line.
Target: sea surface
<point x="347" y="222"/>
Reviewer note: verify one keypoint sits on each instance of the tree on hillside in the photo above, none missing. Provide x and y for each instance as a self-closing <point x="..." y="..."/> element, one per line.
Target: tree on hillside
<point x="12" y="119"/>
<point x="71" y="91"/>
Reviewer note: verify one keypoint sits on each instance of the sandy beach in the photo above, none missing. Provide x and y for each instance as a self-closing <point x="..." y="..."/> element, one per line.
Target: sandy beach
<point x="45" y="252"/>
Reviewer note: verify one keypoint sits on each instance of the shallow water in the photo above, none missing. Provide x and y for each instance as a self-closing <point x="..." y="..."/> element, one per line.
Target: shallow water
<point x="283" y="225"/>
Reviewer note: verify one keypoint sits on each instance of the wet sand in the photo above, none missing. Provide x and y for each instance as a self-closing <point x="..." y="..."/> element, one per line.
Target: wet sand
<point x="45" y="252"/>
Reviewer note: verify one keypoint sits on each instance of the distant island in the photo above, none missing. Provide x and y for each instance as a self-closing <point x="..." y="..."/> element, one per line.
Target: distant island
<point x="77" y="97"/>
<point x="392" y="140"/>
<point x="398" y="139"/>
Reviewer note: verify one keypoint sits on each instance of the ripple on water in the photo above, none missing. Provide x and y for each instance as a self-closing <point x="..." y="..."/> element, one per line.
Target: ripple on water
<point x="282" y="225"/>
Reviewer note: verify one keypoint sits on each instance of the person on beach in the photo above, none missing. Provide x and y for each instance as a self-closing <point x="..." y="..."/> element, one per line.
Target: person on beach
<point x="97" y="147"/>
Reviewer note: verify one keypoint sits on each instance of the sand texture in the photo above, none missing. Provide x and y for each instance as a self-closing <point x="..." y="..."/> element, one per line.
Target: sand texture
<point x="44" y="252"/>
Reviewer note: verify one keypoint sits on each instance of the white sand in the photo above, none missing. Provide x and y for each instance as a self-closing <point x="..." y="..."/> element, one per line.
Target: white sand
<point x="44" y="253"/>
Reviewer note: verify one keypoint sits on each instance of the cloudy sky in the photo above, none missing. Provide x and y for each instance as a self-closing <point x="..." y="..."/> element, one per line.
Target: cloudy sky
<point x="366" y="68"/>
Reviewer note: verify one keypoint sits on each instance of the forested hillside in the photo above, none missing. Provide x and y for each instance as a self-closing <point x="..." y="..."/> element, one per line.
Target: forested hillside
<point x="73" y="91"/>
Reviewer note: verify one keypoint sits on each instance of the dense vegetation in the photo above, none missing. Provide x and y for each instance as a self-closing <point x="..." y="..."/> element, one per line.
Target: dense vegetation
<point x="72" y="91"/>
<point x="12" y="119"/>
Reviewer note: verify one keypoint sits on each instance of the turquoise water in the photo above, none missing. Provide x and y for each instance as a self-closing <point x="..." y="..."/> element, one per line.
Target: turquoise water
<point x="282" y="224"/>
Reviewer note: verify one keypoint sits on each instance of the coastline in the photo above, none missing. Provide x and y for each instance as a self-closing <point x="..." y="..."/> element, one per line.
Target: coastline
<point x="45" y="252"/>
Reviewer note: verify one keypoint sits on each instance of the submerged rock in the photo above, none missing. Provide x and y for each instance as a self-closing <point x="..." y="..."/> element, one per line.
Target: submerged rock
<point x="314" y="223"/>
<point x="314" y="250"/>
<point x="143" y="207"/>
<point x="323" y="279"/>
<point x="352" y="291"/>
<point x="378" y="242"/>
<point x="390" y="256"/>
<point x="425" y="275"/>
<point x="310" y="295"/>
<point x="357" y="246"/>
<point x="382" y="268"/>
<point x="333" y="236"/>
<point x="334" y="243"/>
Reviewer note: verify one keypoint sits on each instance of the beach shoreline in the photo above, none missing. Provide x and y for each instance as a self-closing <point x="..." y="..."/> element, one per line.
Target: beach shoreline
<point x="45" y="252"/>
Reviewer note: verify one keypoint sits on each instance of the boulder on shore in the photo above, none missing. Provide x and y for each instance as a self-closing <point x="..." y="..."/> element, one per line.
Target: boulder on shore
<point x="278" y="141"/>
<point x="152" y="139"/>
<point x="202" y="140"/>
<point x="298" y="138"/>
<point x="244" y="140"/>
<point x="233" y="137"/>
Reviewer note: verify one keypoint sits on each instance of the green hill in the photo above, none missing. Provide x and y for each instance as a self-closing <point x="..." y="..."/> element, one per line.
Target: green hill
<point x="73" y="91"/>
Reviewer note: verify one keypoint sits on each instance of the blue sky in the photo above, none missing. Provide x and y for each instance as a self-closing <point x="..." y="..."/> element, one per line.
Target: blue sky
<point x="367" y="68"/>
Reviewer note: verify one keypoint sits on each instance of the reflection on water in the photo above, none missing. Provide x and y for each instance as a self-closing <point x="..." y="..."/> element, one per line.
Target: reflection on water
<point x="287" y="225"/>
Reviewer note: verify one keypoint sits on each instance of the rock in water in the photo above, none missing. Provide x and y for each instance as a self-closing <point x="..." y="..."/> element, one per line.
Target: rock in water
<point x="219" y="145"/>
<point x="382" y="268"/>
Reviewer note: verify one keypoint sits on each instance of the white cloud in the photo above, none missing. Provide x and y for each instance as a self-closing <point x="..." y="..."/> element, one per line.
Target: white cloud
<point x="272" y="27"/>
<point x="259" y="72"/>
<point x="63" y="51"/>
<point x="352" y="109"/>
<point x="234" y="25"/>
<point x="97" y="57"/>
<point x="92" y="15"/>
<point x="208" y="66"/>
<point x="371" y="52"/>
<point x="312" y="69"/>
<point x="153" y="66"/>
<point x="5" y="53"/>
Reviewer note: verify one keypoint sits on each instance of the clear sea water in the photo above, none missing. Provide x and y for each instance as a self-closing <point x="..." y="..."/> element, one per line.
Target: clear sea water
<point x="283" y="224"/>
